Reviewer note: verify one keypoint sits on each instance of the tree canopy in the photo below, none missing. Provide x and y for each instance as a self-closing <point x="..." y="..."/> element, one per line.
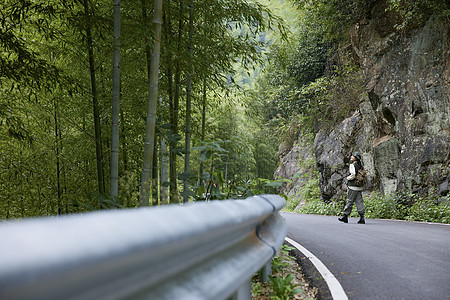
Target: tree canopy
<point x="56" y="77"/>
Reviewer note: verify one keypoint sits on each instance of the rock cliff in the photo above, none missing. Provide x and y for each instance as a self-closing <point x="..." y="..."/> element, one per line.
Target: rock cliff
<point x="298" y="164"/>
<point x="402" y="126"/>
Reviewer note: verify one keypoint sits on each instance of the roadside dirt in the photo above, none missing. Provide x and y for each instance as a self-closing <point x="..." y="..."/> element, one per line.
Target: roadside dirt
<point x="300" y="280"/>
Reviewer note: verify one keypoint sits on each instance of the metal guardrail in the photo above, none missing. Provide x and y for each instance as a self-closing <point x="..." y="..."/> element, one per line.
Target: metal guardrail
<point x="202" y="251"/>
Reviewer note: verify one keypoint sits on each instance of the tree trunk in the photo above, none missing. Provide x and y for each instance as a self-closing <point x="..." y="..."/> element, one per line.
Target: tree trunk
<point x="148" y="57"/>
<point x="147" y="50"/>
<point x="164" y="173"/>
<point x="97" y="128"/>
<point x="114" y="180"/>
<point x="187" y="147"/>
<point x="152" y="102"/>
<point x="165" y="165"/>
<point x="200" y="172"/>
<point x="174" y="119"/>
<point x="155" y="173"/>
<point x="57" y="154"/>
<point x="126" y="201"/>
<point x="124" y="144"/>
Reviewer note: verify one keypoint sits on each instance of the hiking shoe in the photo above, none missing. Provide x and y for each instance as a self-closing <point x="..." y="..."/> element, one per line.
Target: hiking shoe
<point x="344" y="219"/>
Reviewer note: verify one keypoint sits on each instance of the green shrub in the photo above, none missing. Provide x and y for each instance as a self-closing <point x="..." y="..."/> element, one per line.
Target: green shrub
<point x="406" y="207"/>
<point x="310" y="191"/>
<point x="389" y="206"/>
<point x="416" y="13"/>
<point x="282" y="260"/>
<point x="429" y="211"/>
<point x="281" y="285"/>
<point x="291" y="203"/>
<point x="317" y="206"/>
<point x="283" y="288"/>
<point x="257" y="289"/>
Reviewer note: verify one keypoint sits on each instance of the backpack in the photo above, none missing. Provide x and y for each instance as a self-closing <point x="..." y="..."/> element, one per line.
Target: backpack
<point x="361" y="178"/>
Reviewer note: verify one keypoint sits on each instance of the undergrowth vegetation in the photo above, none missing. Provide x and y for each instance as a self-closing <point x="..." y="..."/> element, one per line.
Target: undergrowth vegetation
<point x="284" y="284"/>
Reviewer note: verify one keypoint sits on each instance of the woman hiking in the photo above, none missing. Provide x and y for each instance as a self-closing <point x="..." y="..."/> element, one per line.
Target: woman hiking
<point x="354" y="193"/>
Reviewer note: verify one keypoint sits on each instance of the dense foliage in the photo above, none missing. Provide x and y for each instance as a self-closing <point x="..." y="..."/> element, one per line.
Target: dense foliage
<point x="55" y="105"/>
<point x="333" y="17"/>
<point x="416" y="13"/>
<point x="313" y="76"/>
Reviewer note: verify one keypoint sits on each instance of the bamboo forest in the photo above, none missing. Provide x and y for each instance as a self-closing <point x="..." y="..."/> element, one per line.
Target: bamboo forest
<point x="131" y="104"/>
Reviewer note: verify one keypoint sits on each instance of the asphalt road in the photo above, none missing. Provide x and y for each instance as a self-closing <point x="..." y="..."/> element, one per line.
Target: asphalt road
<point x="382" y="259"/>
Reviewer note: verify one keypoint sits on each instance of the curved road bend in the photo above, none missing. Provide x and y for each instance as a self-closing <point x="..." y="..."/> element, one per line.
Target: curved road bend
<point x="382" y="259"/>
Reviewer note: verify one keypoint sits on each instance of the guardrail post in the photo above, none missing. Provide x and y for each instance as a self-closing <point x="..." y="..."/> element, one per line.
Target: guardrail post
<point x="244" y="292"/>
<point x="265" y="272"/>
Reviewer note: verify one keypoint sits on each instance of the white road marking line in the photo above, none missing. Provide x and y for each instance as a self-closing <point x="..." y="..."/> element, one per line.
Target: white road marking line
<point x="337" y="292"/>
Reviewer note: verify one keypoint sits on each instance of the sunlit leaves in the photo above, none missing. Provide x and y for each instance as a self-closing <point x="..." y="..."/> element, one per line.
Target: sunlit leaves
<point x="334" y="16"/>
<point x="208" y="148"/>
<point x="24" y="24"/>
<point x="414" y="13"/>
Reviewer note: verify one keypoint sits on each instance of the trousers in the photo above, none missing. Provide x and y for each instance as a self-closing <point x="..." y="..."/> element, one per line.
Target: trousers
<point x="352" y="198"/>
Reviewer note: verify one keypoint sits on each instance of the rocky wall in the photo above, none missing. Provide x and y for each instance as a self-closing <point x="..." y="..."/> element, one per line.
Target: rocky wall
<point x="297" y="164"/>
<point x="402" y="127"/>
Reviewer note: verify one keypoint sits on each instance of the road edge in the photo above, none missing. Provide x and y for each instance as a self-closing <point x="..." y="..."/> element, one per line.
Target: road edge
<point x="336" y="290"/>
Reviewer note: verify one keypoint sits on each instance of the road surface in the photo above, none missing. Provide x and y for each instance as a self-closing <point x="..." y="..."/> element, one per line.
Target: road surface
<point x="382" y="259"/>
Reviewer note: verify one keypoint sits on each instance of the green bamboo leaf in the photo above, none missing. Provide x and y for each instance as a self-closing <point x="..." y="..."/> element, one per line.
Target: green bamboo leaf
<point x="205" y="155"/>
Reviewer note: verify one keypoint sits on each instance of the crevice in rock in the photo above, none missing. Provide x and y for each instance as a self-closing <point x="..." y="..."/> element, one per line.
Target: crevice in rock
<point x="374" y="100"/>
<point x="417" y="110"/>
<point x="389" y="116"/>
